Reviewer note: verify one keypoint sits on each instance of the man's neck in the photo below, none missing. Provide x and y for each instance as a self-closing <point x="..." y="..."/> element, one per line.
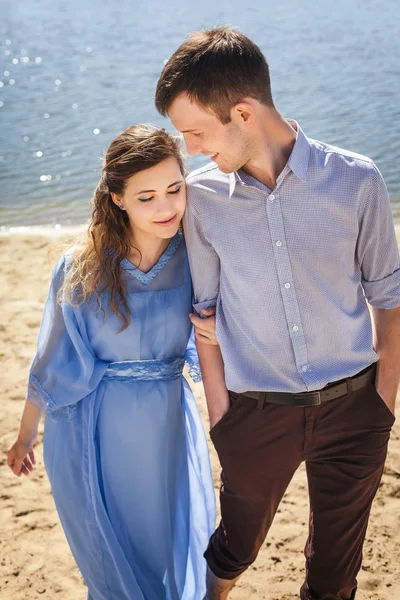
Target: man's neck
<point x="276" y="141"/>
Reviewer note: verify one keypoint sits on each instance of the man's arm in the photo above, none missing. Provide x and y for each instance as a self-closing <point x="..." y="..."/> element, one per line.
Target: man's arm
<point x="205" y="271"/>
<point x="387" y="346"/>
<point x="378" y="256"/>
<point x="212" y="370"/>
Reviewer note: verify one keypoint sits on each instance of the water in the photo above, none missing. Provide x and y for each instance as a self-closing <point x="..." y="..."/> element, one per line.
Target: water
<point x="74" y="74"/>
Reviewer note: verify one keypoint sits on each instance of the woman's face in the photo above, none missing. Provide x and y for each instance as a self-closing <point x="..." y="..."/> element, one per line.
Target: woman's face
<point x="155" y="200"/>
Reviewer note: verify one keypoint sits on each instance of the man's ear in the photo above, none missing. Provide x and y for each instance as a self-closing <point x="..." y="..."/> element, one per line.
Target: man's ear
<point x="243" y="113"/>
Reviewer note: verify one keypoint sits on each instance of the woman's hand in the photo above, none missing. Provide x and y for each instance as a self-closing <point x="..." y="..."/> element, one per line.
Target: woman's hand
<point x="21" y="457"/>
<point x="204" y="329"/>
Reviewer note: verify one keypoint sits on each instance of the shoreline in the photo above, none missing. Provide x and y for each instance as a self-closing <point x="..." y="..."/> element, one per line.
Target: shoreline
<point x="53" y="231"/>
<point x="43" y="230"/>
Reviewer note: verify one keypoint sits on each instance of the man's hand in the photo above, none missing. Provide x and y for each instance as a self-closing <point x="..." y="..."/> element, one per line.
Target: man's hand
<point x="204" y="329"/>
<point x="215" y="414"/>
<point x="386" y="390"/>
<point x="387" y="346"/>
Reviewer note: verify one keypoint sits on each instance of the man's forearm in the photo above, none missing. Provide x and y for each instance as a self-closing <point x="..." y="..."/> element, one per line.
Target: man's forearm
<point x="212" y="369"/>
<point x="387" y="346"/>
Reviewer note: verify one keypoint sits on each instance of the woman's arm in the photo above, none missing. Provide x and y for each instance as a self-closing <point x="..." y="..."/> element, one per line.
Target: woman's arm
<point x="20" y="457"/>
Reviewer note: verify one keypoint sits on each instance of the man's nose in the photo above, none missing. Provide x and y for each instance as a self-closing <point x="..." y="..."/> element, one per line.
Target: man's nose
<point x="192" y="146"/>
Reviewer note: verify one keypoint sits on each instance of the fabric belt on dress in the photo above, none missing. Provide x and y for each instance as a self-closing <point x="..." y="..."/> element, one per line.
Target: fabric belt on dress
<point x="330" y="392"/>
<point x="146" y="370"/>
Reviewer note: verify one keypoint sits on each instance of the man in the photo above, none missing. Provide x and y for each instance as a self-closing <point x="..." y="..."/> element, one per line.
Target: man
<point x="288" y="237"/>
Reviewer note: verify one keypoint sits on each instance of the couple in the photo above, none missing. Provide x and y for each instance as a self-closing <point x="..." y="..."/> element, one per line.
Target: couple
<point x="287" y="239"/>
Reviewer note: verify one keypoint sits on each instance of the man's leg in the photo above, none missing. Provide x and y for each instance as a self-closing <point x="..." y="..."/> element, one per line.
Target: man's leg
<point x="345" y="460"/>
<point x="259" y="451"/>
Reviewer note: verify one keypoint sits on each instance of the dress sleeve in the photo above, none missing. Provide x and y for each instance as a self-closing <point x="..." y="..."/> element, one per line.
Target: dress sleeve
<point x="192" y="359"/>
<point x="65" y="368"/>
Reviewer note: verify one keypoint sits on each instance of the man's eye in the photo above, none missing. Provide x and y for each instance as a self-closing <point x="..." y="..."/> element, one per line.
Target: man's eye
<point x="176" y="190"/>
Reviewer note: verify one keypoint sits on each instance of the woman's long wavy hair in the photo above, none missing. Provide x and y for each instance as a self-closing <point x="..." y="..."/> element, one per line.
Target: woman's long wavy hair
<point x="96" y="261"/>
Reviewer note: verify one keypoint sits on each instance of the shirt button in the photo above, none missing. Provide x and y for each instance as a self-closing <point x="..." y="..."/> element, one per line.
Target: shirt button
<point x="295" y="328"/>
<point x="304" y="368"/>
<point x="271" y="197"/>
<point x="287" y="285"/>
<point x="279" y="243"/>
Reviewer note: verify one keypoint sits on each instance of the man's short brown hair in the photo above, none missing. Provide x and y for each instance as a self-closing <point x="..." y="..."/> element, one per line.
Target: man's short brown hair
<point x="216" y="68"/>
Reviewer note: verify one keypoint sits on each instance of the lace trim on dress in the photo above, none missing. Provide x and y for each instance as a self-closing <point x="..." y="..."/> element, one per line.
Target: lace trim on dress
<point x="147" y="278"/>
<point x="194" y="372"/>
<point x="146" y="370"/>
<point x="39" y="398"/>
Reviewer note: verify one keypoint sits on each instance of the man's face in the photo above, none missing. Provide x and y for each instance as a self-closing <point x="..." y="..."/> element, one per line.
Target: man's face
<point x="227" y="145"/>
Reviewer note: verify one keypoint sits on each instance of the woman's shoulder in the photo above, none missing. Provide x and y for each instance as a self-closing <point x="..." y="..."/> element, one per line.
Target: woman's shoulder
<point x="64" y="263"/>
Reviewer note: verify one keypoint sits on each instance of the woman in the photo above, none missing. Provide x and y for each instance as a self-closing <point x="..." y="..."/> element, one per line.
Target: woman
<point x="124" y="446"/>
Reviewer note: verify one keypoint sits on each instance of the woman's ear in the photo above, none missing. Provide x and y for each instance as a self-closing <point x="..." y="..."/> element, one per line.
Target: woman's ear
<point x="116" y="199"/>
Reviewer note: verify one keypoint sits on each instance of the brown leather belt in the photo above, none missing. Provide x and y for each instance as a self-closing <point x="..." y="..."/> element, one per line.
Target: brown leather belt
<point x="330" y="392"/>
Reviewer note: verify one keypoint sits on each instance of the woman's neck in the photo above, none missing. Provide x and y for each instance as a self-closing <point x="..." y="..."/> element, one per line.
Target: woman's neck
<point x="146" y="250"/>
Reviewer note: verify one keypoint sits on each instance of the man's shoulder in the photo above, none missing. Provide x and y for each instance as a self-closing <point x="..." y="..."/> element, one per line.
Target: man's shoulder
<point x="208" y="175"/>
<point x="326" y="153"/>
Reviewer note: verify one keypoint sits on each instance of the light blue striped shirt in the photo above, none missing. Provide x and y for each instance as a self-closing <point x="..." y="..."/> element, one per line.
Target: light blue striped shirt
<point x="290" y="269"/>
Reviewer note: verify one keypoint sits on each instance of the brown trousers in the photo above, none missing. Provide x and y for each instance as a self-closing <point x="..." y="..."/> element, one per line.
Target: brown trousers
<point x="344" y="443"/>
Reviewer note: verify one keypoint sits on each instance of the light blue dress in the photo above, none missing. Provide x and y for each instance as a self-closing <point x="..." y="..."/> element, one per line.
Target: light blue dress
<point x="124" y="446"/>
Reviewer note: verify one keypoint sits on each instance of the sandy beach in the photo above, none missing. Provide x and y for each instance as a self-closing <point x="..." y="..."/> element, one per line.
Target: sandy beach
<point x="35" y="561"/>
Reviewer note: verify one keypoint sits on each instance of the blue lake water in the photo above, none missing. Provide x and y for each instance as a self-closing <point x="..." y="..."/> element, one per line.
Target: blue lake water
<point x="73" y="74"/>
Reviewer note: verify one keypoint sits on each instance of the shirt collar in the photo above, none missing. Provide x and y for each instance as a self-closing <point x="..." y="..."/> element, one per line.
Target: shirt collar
<point x="297" y="162"/>
<point x="300" y="155"/>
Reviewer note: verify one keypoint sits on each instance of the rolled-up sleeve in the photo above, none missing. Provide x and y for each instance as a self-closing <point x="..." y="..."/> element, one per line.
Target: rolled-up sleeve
<point x="377" y="249"/>
<point x="204" y="263"/>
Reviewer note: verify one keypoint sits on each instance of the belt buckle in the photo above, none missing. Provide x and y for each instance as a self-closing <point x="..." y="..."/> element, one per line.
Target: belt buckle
<point x="307" y="398"/>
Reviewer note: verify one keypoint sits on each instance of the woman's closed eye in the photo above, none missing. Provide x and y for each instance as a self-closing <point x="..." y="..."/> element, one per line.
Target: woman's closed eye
<point x="174" y="190"/>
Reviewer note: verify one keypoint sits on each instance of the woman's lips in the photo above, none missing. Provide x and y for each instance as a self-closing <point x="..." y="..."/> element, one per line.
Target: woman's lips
<point x="166" y="223"/>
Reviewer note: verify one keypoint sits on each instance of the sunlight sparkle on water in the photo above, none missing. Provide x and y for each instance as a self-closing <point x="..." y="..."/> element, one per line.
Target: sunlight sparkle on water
<point x="38" y="60"/>
<point x="96" y="131"/>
